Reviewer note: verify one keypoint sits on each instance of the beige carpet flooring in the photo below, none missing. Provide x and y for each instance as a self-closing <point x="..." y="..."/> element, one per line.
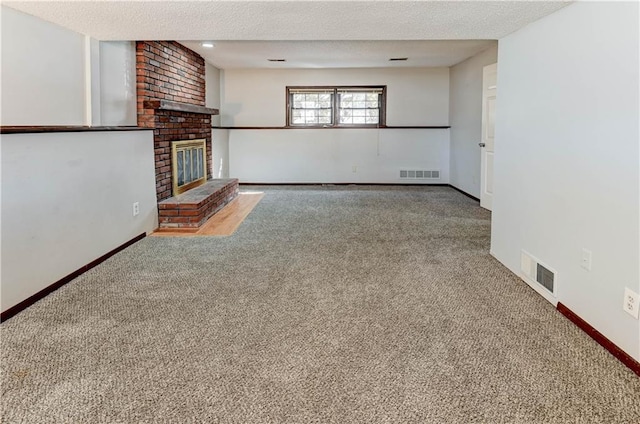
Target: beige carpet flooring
<point x="328" y="305"/>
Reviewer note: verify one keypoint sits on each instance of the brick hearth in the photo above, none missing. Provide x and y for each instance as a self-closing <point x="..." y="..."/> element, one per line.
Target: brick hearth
<point x="192" y="209"/>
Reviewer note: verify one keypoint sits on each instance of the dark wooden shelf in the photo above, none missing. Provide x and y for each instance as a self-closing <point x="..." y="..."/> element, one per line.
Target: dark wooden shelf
<point x="179" y="107"/>
<point x="443" y="127"/>
<point x="62" y="128"/>
<point x="433" y="127"/>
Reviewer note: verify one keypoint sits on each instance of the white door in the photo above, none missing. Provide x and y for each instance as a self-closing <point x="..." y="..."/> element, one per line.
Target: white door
<point x="489" y="79"/>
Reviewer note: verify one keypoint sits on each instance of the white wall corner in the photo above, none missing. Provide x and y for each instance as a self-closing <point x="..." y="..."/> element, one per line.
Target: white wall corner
<point x="212" y="90"/>
<point x="92" y="81"/>
<point x="43" y="83"/>
<point x="566" y="158"/>
<point x="465" y="118"/>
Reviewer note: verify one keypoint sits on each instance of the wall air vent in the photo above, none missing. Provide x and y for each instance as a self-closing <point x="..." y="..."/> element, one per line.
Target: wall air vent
<point x="277" y="60"/>
<point x="534" y="272"/>
<point x="398" y="59"/>
<point x="419" y="174"/>
<point x="545" y="277"/>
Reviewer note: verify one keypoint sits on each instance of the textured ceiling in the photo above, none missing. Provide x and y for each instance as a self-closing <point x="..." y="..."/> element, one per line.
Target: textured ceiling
<point x="338" y="54"/>
<point x="290" y="20"/>
<point x="228" y="22"/>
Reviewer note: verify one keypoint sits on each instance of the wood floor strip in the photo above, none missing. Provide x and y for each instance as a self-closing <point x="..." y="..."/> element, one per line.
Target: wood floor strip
<point x="225" y="222"/>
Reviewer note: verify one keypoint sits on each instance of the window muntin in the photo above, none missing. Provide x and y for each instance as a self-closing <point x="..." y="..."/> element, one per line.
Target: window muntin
<point x="335" y="106"/>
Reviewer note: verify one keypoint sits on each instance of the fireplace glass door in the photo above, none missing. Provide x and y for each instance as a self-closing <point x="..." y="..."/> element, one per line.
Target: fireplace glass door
<point x="189" y="164"/>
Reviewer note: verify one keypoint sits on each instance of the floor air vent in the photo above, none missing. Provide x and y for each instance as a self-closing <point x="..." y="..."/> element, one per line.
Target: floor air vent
<point x="419" y="174"/>
<point x="536" y="272"/>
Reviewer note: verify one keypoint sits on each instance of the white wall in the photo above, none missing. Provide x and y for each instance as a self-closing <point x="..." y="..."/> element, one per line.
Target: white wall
<point x="93" y="82"/>
<point x="220" y="137"/>
<point x="257" y="97"/>
<point x="212" y="90"/>
<point x="67" y="199"/>
<point x="415" y="96"/>
<point x="54" y="76"/>
<point x="567" y="158"/>
<point x="465" y="114"/>
<point x="330" y="155"/>
<point x="118" y="83"/>
<point x="220" y="146"/>
<point x="43" y="72"/>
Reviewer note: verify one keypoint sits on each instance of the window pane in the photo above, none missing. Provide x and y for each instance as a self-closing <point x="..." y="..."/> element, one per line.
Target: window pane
<point x="313" y="108"/>
<point x="324" y="118"/>
<point x="297" y="100"/>
<point x="359" y="108"/>
<point x="346" y="116"/>
<point x="311" y="101"/>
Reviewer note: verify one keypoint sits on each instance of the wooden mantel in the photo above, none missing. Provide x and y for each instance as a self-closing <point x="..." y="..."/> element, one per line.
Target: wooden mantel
<point x="179" y="107"/>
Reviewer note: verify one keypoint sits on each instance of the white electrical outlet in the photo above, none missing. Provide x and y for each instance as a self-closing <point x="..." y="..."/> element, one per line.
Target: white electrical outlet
<point x="136" y="208"/>
<point x="631" y="303"/>
<point x="354" y="168"/>
<point x="585" y="262"/>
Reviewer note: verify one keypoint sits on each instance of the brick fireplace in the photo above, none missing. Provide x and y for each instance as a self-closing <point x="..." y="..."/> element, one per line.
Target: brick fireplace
<point x="170" y="81"/>
<point x="167" y="71"/>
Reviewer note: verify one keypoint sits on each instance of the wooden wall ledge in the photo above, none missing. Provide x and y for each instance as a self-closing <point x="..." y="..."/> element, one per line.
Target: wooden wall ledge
<point x="386" y="127"/>
<point x="179" y="107"/>
<point x="62" y="128"/>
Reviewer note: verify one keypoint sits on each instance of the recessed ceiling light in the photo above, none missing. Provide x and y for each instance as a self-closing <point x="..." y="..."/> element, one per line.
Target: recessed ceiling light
<point x="207" y="44"/>
<point x="398" y="59"/>
<point x="277" y="60"/>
